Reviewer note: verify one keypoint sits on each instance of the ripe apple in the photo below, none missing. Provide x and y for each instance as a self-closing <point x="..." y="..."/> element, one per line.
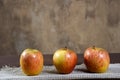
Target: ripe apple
<point x="96" y="59"/>
<point x="64" y="60"/>
<point x="31" y="62"/>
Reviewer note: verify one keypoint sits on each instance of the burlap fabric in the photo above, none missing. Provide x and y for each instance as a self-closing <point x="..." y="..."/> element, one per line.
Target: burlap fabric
<point x="50" y="73"/>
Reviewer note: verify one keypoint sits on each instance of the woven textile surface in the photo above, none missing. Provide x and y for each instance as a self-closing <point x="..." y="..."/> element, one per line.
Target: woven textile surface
<point x="50" y="73"/>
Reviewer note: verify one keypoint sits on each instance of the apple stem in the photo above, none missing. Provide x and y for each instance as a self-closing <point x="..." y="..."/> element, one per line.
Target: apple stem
<point x="65" y="47"/>
<point x="93" y="47"/>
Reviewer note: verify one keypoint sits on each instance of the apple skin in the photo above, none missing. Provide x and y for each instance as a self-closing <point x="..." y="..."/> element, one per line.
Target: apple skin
<point x="31" y="62"/>
<point x="64" y="60"/>
<point x="96" y="59"/>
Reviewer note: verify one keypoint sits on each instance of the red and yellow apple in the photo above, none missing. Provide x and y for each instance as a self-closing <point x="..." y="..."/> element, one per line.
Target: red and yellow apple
<point x="64" y="60"/>
<point x="31" y="62"/>
<point x="96" y="59"/>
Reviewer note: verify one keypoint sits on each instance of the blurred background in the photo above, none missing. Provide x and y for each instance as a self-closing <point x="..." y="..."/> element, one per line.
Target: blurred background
<point x="48" y="25"/>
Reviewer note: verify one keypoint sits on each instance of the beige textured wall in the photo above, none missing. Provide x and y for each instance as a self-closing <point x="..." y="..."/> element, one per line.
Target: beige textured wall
<point x="51" y="24"/>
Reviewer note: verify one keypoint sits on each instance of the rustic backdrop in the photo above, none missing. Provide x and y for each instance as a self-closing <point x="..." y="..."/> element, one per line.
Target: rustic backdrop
<point x="51" y="24"/>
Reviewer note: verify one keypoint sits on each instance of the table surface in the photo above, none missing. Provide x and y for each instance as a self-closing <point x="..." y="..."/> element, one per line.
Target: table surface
<point x="50" y="73"/>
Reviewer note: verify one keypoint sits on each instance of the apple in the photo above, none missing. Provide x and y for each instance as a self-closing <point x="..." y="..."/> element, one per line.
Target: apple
<point x="64" y="60"/>
<point x="96" y="59"/>
<point x="31" y="62"/>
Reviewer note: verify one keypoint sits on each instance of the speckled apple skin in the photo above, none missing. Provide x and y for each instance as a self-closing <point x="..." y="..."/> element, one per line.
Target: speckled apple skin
<point x="31" y="62"/>
<point x="96" y="59"/>
<point x="65" y="60"/>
